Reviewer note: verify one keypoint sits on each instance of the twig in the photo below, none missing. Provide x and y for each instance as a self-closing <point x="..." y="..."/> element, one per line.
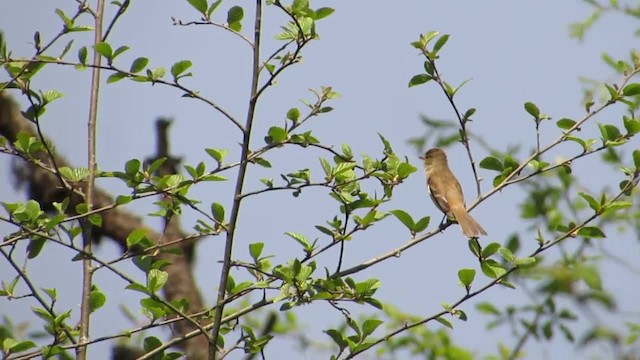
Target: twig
<point x="221" y="26"/>
<point x="463" y="122"/>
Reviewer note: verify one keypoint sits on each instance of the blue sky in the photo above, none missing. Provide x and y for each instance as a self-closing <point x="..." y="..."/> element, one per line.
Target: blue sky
<point x="513" y="51"/>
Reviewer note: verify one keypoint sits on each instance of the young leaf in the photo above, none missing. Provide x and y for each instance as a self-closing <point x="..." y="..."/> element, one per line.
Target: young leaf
<point x="466" y="277"/>
<point x="255" y="250"/>
<point x="104" y="49"/>
<point x="631" y="90"/>
<point x="404" y="218"/>
<point x="217" y="210"/>
<point x="180" y="67"/>
<point x="532" y="109"/>
<point x="138" y="64"/>
<point x="200" y="5"/>
<point x="491" y="163"/>
<point x="419" y="79"/>
<point x="565" y="124"/>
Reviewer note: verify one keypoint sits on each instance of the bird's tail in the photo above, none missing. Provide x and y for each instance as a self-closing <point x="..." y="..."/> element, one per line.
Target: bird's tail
<point x="470" y="227"/>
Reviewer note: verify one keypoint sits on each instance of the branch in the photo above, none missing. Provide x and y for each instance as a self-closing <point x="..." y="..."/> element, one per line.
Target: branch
<point x="463" y="121"/>
<point x="235" y="209"/>
<point x="87" y="233"/>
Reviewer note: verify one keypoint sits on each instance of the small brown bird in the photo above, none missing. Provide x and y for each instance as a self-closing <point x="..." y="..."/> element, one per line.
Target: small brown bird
<point x="446" y="192"/>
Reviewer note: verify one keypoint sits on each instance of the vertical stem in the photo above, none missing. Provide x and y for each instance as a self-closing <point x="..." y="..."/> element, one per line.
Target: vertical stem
<point x="81" y="352"/>
<point x="237" y="198"/>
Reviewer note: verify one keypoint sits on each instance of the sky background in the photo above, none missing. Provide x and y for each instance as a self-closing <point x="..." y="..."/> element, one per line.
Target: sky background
<point x="514" y="51"/>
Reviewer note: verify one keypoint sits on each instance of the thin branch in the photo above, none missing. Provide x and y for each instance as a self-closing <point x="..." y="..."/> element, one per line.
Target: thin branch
<point x="121" y="10"/>
<point x="209" y="22"/>
<point x="462" y="121"/>
<point x="87" y="226"/>
<point x="235" y="209"/>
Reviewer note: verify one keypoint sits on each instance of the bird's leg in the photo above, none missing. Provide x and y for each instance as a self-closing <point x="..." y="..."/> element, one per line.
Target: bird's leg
<point x="443" y="222"/>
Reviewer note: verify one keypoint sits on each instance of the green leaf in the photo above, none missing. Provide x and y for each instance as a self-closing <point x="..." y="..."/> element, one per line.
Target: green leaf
<point x="591" y="232"/>
<point x="218" y="212"/>
<point x="369" y="326"/>
<point x="487" y="308"/>
<point x="490" y="249"/>
<point x="328" y="170"/>
<point x="404" y="218"/>
<point x="475" y="247"/>
<point x="262" y="162"/>
<point x="593" y="203"/>
<point x="507" y="254"/>
<point x="217" y="154"/>
<point x="609" y="132"/>
<point x="156" y="279"/>
<point x="440" y="43"/>
<point x="565" y="124"/>
<point x="631" y="125"/>
<point x="491" y="163"/>
<point x="299" y="238"/>
<point x="422" y="224"/>
<point x="255" y="250"/>
<point x="492" y="268"/>
<point x="119" y="51"/>
<point x="104" y="49"/>
<point x="180" y="67"/>
<point x="115" y="77"/>
<point x="636" y="159"/>
<point x="14" y="346"/>
<point x="234" y="15"/>
<point x="68" y="23"/>
<point x="277" y="135"/>
<point x="123" y="199"/>
<point x="525" y="261"/>
<point x="200" y="5"/>
<point x="466" y="277"/>
<point x="419" y="79"/>
<point x="405" y="169"/>
<point x="323" y="12"/>
<point x="97" y="299"/>
<point x="135" y="237"/>
<point x="138" y="64"/>
<point x="532" y="109"/>
<point x="132" y="167"/>
<point x="213" y="7"/>
<point x="631" y="90"/>
<point x="82" y="55"/>
<point x="444" y="322"/>
<point x="293" y="114"/>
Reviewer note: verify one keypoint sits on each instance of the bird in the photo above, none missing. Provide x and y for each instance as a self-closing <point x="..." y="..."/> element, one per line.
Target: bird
<point x="446" y="192"/>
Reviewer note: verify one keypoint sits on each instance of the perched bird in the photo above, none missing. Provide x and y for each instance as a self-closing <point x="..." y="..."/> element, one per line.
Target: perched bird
<point x="446" y="192"/>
